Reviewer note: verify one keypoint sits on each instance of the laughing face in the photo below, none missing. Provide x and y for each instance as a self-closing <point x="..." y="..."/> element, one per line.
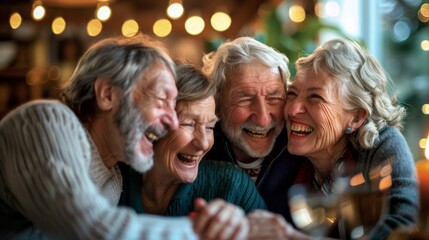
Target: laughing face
<point x="251" y="110"/>
<point x="315" y="115"/>
<point x="178" y="154"/>
<point x="149" y="116"/>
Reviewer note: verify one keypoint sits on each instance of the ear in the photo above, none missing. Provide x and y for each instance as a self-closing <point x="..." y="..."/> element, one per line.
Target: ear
<point x="358" y="118"/>
<point x="104" y="94"/>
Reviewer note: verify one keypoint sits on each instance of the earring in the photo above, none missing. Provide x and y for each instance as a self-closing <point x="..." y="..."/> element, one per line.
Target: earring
<point x="348" y="130"/>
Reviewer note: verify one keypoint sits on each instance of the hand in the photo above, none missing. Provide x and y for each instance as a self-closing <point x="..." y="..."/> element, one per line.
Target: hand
<point x="219" y="220"/>
<point x="267" y="225"/>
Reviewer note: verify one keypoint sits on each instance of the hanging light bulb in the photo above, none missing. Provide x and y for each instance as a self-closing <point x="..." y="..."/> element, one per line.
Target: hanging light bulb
<point x="38" y="11"/>
<point x="15" y="20"/>
<point x="194" y="25"/>
<point x="175" y="9"/>
<point x="58" y="25"/>
<point x="103" y="11"/>
<point x="94" y="27"/>
<point x="220" y="21"/>
<point x="162" y="27"/>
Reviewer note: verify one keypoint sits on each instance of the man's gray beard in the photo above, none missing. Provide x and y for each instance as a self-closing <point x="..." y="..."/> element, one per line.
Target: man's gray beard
<point x="131" y="127"/>
<point x="235" y="137"/>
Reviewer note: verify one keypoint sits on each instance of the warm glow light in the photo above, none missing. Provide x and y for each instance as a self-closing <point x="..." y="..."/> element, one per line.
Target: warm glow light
<point x="162" y="27"/>
<point x="130" y="28"/>
<point x="425" y="108"/>
<point x="424" y="9"/>
<point x="58" y="25"/>
<point x="297" y="13"/>
<point x="357" y="179"/>
<point x="220" y="21"/>
<point x="175" y="10"/>
<point x="103" y="13"/>
<point x="94" y="27"/>
<point x="421" y="17"/>
<point x="38" y="11"/>
<point x="422" y="143"/>
<point x="425" y="45"/>
<point x="318" y="9"/>
<point x="427" y="148"/>
<point x="194" y="25"/>
<point x="15" y="20"/>
<point x="385" y="183"/>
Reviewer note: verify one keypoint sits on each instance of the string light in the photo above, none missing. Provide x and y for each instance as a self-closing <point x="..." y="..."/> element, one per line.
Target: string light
<point x="130" y="28"/>
<point x="220" y="21"/>
<point x="15" y="20"/>
<point x="94" y="27"/>
<point x="175" y="9"/>
<point x="103" y="11"/>
<point x="297" y="13"/>
<point x="194" y="25"/>
<point x="162" y="27"/>
<point x="58" y="25"/>
<point x="38" y="11"/>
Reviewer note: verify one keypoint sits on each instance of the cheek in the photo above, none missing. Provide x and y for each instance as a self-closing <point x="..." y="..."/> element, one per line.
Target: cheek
<point x="236" y="115"/>
<point x="330" y="123"/>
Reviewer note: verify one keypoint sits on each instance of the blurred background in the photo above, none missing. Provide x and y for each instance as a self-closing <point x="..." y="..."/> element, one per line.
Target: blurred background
<point x="41" y="40"/>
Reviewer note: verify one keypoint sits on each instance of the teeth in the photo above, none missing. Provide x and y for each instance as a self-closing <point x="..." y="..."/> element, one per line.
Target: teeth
<point x="301" y="129"/>
<point x="189" y="157"/>
<point x="151" y="136"/>
<point x="256" y="134"/>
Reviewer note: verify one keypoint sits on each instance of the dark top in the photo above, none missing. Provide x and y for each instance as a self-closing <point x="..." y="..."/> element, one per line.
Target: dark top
<point x="277" y="173"/>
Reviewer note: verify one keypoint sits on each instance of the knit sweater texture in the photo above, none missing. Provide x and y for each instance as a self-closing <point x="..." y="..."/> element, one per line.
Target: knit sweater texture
<point x="215" y="180"/>
<point x="54" y="184"/>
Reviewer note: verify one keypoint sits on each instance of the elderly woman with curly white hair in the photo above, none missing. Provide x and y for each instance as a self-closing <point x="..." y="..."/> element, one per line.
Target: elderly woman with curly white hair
<point x="341" y="116"/>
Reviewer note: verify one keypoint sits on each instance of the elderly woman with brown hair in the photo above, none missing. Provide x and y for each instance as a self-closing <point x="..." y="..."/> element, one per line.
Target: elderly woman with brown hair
<point x="179" y="175"/>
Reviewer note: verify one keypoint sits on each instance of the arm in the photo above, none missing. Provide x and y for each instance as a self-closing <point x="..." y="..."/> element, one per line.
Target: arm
<point x="402" y="210"/>
<point x="45" y="159"/>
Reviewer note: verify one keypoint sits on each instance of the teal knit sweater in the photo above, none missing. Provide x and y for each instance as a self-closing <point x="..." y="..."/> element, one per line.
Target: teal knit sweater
<point x="215" y="180"/>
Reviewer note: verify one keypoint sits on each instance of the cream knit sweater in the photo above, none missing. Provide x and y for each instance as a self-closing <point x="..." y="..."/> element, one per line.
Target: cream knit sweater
<point x="53" y="183"/>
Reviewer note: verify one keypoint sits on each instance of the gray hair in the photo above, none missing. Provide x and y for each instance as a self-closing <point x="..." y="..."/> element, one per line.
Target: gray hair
<point x="230" y="56"/>
<point x="363" y="85"/>
<point x="193" y="84"/>
<point x="121" y="61"/>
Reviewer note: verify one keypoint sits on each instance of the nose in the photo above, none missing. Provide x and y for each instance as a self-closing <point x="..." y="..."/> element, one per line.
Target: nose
<point x="201" y="139"/>
<point x="261" y="114"/>
<point x="170" y="118"/>
<point x="293" y="108"/>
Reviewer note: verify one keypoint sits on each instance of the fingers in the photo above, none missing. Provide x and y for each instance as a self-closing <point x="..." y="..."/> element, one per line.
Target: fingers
<point x="266" y="225"/>
<point x="220" y="220"/>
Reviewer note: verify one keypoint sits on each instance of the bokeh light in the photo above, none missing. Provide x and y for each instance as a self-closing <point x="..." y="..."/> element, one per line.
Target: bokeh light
<point x="58" y="25"/>
<point x="94" y="27"/>
<point x="220" y="21"/>
<point x="15" y="20"/>
<point x="175" y="10"/>
<point x="162" y="27"/>
<point x="297" y="13"/>
<point x="194" y="25"/>
<point x="130" y="28"/>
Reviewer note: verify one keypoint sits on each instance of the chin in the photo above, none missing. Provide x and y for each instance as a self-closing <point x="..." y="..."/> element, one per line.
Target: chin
<point x="141" y="163"/>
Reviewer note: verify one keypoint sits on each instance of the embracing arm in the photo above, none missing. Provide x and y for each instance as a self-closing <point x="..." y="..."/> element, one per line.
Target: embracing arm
<point x="45" y="158"/>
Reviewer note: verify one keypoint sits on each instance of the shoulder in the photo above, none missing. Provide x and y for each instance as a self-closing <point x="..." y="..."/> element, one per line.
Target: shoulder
<point x="40" y="111"/>
<point x="392" y="146"/>
<point x="390" y="137"/>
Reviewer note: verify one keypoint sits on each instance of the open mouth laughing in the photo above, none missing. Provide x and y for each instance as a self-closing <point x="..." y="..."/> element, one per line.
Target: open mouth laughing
<point x="301" y="129"/>
<point x="189" y="160"/>
<point x="256" y="133"/>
